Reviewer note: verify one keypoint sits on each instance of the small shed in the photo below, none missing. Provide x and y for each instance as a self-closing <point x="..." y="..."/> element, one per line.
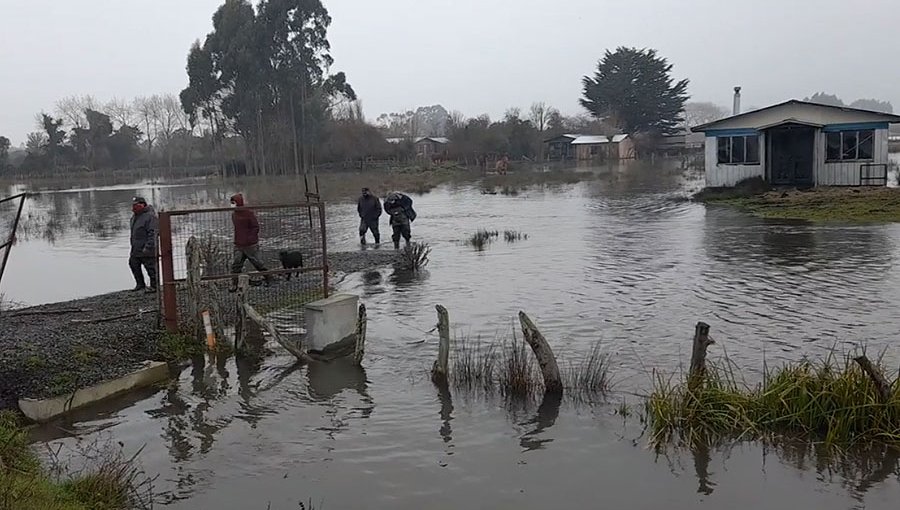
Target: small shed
<point x="428" y="146"/>
<point x="599" y="147"/>
<point x="559" y="148"/>
<point x="797" y="143"/>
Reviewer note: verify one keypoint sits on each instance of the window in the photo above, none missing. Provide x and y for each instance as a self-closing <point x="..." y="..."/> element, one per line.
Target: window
<point x="850" y="145"/>
<point x="738" y="150"/>
<point x="594" y="150"/>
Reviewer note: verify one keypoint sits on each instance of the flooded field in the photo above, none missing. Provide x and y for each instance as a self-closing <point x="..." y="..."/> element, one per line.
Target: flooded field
<point x="623" y="259"/>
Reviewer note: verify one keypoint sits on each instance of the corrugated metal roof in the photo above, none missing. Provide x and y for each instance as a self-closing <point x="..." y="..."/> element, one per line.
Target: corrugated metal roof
<point x="802" y="111"/>
<point x="597" y="139"/>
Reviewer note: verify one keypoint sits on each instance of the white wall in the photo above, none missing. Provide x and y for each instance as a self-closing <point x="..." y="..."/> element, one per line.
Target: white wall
<point x="729" y="175"/>
<point x="846" y="173"/>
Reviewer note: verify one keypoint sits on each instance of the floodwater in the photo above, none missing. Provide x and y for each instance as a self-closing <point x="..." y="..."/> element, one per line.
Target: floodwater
<point x="622" y="259"/>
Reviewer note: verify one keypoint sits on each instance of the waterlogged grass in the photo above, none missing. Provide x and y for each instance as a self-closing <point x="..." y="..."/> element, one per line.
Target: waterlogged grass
<point x="866" y="204"/>
<point x="830" y="401"/>
<point x="512" y="236"/>
<point x="482" y="238"/>
<point x="178" y="347"/>
<point x="508" y="367"/>
<point x="111" y="482"/>
<point x="414" y="257"/>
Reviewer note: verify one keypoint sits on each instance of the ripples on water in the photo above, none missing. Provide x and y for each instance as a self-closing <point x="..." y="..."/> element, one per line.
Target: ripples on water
<point x="624" y="259"/>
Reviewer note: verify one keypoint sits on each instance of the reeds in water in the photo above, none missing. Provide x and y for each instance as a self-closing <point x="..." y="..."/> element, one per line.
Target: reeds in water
<point x="830" y="401"/>
<point x="482" y="238"/>
<point x="414" y="257"/>
<point x="512" y="236"/>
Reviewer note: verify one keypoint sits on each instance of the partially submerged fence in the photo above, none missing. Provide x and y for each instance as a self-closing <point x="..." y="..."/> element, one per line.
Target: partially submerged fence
<point x="10" y="214"/>
<point x="291" y="249"/>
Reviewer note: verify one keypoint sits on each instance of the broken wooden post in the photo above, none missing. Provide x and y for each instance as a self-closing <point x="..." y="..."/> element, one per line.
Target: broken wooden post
<point x="296" y="350"/>
<point x="193" y="280"/>
<point x="698" y="354"/>
<point x="543" y="353"/>
<point x="440" y="372"/>
<point x="360" y="348"/>
<point x="881" y="384"/>
<point x="241" y="325"/>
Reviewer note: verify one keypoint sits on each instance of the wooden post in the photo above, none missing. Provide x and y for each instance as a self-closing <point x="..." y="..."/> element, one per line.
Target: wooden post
<point x="543" y="353"/>
<point x="193" y="284"/>
<point x="360" y="349"/>
<point x="242" y="325"/>
<point x="440" y="372"/>
<point x="698" y="354"/>
<point x="170" y="302"/>
<point x="881" y="385"/>
<point x="263" y="323"/>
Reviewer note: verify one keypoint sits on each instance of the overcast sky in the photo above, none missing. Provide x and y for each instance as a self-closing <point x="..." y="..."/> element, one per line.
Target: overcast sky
<point x="476" y="56"/>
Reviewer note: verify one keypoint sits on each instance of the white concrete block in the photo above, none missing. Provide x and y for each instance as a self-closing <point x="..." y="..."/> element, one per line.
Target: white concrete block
<point x="331" y="320"/>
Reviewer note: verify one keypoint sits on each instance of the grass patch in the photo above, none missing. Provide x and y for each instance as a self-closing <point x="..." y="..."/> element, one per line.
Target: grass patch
<point x="482" y="238"/>
<point x="512" y="236"/>
<point x="110" y="481"/>
<point x="178" y="347"/>
<point x="414" y="257"/>
<point x="289" y="300"/>
<point x="829" y="401"/>
<point x="508" y="366"/>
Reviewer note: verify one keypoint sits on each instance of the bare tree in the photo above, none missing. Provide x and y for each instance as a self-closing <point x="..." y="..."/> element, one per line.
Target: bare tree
<point x="144" y="108"/>
<point x="121" y="112"/>
<point x="72" y="109"/>
<point x="540" y="116"/>
<point x="702" y="112"/>
<point x="165" y="110"/>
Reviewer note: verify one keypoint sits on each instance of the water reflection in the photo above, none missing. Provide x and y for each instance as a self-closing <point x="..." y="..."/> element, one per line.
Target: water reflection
<point x="543" y="420"/>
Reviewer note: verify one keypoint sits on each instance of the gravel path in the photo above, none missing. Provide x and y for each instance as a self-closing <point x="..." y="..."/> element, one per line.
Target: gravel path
<point x="50" y="350"/>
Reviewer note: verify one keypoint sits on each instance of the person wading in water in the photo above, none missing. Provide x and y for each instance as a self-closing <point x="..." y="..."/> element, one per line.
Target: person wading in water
<point x="369" y="208"/>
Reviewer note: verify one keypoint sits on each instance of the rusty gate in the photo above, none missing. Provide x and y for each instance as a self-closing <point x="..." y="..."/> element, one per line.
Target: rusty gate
<point x="10" y="213"/>
<point x="291" y="251"/>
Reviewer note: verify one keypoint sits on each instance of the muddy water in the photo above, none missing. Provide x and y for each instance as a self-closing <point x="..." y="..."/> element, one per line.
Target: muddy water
<point x="619" y="259"/>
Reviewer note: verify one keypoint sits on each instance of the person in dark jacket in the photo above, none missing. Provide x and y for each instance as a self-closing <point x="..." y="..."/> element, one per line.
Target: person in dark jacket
<point x="369" y="208"/>
<point x="246" y="238"/>
<point x="399" y="208"/>
<point x="144" y="229"/>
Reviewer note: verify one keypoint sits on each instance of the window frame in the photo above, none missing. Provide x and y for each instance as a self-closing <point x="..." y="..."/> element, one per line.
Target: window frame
<point x="745" y="161"/>
<point x="859" y="134"/>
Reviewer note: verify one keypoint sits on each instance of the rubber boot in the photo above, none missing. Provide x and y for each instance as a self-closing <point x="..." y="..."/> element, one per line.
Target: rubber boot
<point x="362" y="240"/>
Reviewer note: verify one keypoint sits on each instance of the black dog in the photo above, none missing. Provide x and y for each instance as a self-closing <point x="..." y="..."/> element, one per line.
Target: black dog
<point x="291" y="260"/>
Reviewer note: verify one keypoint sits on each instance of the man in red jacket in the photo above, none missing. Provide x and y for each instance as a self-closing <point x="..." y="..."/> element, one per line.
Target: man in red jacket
<point x="246" y="238"/>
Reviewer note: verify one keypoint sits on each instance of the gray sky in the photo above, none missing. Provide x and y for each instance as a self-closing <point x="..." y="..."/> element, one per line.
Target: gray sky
<point x="476" y="56"/>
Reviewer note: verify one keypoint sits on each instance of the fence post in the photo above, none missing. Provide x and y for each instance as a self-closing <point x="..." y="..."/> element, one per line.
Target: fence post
<point x="360" y="349"/>
<point x="440" y="371"/>
<point x="321" y="208"/>
<point x="543" y="353"/>
<point x="698" y="354"/>
<point x="170" y="301"/>
<point x="242" y="324"/>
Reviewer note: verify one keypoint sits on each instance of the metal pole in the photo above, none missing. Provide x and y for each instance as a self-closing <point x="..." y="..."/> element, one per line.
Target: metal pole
<point x="170" y="301"/>
<point x="12" y="236"/>
<point x="324" y="249"/>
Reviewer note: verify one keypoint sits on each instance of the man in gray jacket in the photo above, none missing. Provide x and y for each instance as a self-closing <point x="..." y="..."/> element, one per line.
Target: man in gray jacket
<point x="144" y="229"/>
<point x="369" y="208"/>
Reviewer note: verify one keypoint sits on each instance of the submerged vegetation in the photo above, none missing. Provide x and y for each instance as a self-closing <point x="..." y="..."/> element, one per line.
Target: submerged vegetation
<point x="109" y="480"/>
<point x="512" y="236"/>
<point x="509" y="367"/>
<point x="864" y="204"/>
<point x="830" y="401"/>
<point x="480" y="239"/>
<point x="414" y="257"/>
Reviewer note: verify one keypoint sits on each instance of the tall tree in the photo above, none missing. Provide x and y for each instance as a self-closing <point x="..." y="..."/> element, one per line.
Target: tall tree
<point x="874" y="105"/>
<point x="696" y="113"/>
<point x="634" y="90"/>
<point x="823" y="98"/>
<point x="55" y="137"/>
<point x="4" y="153"/>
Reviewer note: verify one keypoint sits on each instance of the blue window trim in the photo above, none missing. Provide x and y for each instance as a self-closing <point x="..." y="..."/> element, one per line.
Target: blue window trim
<point x="836" y="128"/>
<point x="715" y="133"/>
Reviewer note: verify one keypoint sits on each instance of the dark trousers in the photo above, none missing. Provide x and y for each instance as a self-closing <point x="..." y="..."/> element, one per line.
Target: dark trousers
<point x="149" y="264"/>
<point x="369" y="224"/>
<point x="243" y="254"/>
<point x="401" y="230"/>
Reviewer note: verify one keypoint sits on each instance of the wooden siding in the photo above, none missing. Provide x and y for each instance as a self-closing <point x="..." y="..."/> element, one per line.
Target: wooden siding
<point x="729" y="175"/>
<point x="846" y="173"/>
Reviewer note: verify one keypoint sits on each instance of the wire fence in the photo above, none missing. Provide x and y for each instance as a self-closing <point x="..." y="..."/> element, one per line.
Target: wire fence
<point x="288" y="264"/>
<point x="10" y="214"/>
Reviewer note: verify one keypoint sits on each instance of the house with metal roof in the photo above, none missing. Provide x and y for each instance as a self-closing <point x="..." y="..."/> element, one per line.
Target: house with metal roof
<point x="596" y="147"/>
<point x="797" y="143"/>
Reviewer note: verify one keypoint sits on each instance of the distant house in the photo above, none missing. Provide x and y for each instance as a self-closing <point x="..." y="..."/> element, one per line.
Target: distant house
<point x="599" y="147"/>
<point x="799" y="143"/>
<point x="681" y="143"/>
<point x="559" y="148"/>
<point x="428" y="146"/>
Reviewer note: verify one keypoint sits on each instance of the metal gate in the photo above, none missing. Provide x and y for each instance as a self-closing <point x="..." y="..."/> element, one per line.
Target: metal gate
<point x="10" y="213"/>
<point x="291" y="250"/>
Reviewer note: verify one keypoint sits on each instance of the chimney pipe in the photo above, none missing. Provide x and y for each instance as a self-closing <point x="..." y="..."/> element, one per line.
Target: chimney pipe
<point x="737" y="101"/>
